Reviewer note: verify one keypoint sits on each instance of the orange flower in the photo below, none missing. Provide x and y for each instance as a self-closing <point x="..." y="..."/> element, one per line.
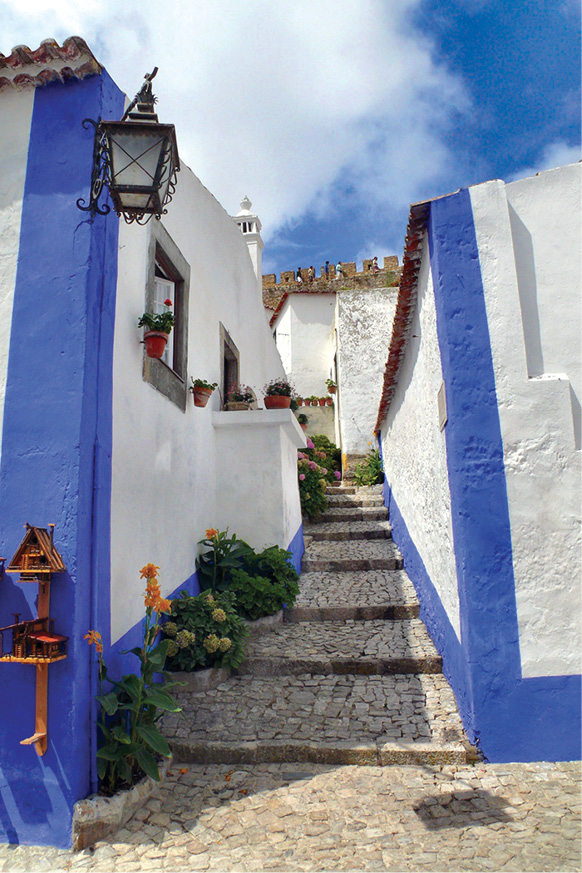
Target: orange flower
<point x="163" y="605"/>
<point x="150" y="571"/>
<point x="211" y="533"/>
<point x="94" y="637"/>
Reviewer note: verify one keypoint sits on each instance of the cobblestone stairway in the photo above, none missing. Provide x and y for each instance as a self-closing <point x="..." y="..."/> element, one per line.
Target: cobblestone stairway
<point x="351" y="676"/>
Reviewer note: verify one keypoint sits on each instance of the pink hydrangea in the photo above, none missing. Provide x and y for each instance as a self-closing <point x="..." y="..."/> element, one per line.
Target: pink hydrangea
<point x="310" y="444"/>
<point x="300" y="456"/>
<point x="301" y="477"/>
<point x="312" y="465"/>
<point x="337" y="475"/>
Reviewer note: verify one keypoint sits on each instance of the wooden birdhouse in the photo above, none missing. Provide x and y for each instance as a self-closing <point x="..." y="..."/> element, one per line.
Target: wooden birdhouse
<point x="34" y="641"/>
<point x="36" y="558"/>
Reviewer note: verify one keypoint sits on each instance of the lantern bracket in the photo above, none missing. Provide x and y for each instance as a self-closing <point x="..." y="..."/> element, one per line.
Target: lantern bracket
<point x="99" y="172"/>
<point x="160" y="184"/>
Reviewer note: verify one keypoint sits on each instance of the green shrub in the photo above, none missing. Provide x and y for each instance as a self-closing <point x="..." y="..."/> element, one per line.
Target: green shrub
<point x="369" y="471"/>
<point x="265" y="585"/>
<point x="205" y="631"/>
<point x="223" y="554"/>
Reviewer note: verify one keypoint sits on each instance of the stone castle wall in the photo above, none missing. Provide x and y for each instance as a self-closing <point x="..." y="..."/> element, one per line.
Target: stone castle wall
<point x="387" y="276"/>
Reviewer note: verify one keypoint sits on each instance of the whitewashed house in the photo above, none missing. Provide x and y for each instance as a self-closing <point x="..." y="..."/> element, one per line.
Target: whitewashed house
<point x="96" y="437"/>
<point x="336" y="327"/>
<point x="479" y="426"/>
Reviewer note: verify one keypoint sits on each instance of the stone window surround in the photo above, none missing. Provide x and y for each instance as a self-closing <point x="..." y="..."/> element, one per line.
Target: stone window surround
<point x="170" y="382"/>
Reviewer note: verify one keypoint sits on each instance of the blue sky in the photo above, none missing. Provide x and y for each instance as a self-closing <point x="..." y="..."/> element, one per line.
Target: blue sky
<point x="334" y="115"/>
<point x="519" y="67"/>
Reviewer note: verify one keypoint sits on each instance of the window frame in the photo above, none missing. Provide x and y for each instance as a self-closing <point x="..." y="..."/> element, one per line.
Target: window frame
<point x="169" y="381"/>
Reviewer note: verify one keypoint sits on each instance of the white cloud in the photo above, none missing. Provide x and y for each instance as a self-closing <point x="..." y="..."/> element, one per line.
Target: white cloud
<point x="277" y="100"/>
<point x="554" y="154"/>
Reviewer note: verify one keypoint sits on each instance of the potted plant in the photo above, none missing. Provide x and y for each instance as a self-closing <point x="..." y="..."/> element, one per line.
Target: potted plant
<point x="278" y="393"/>
<point x="331" y="386"/>
<point x="302" y="419"/>
<point x="239" y="397"/>
<point x="321" y="401"/>
<point x="158" y="327"/>
<point x="202" y="390"/>
<point x="328" y="401"/>
<point x="299" y="401"/>
<point x="313" y="400"/>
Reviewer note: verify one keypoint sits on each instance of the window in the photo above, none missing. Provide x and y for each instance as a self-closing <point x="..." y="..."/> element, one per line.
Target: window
<point x="230" y="357"/>
<point x="168" y="277"/>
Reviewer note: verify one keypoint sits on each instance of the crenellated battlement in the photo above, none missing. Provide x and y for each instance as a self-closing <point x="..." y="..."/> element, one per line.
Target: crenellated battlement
<point x="388" y="276"/>
<point x="349" y="269"/>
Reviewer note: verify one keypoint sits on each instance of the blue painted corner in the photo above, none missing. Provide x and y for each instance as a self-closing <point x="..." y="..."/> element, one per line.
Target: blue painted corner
<point x="297" y="548"/>
<point x="513" y="718"/>
<point x="56" y="449"/>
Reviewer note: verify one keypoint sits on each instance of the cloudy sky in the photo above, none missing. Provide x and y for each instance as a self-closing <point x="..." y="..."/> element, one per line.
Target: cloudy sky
<point x="334" y="115"/>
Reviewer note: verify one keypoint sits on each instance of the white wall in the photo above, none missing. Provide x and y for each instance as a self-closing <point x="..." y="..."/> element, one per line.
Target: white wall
<point x="364" y="326"/>
<point x="258" y="461"/>
<point x="14" y="135"/>
<point x="529" y="240"/>
<point x="414" y="450"/>
<point x="165" y="462"/>
<point x="309" y="319"/>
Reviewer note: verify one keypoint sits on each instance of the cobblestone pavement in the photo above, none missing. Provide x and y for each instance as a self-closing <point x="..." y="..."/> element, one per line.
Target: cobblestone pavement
<point x="510" y="817"/>
<point x="345" y="639"/>
<point x="371" y="587"/>
<point x="324" y="709"/>
<point x="351" y="555"/>
<point x="378" y="529"/>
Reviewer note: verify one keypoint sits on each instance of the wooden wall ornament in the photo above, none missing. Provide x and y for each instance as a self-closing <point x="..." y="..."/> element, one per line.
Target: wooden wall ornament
<point x="34" y="641"/>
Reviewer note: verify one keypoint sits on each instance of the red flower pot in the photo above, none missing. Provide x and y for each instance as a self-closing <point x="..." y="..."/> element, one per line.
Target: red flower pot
<point x="328" y="401"/>
<point x="300" y="401"/>
<point x="331" y="389"/>
<point x="201" y="396"/>
<point x="277" y="401"/>
<point x="155" y="343"/>
<point x="322" y="401"/>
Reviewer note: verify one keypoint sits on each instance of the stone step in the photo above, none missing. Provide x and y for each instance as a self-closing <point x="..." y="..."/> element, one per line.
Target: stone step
<point x="333" y="719"/>
<point x="352" y="513"/>
<point x="349" y="530"/>
<point x="338" y="589"/>
<point x="351" y="555"/>
<point x="356" y="647"/>
<point x="348" y="500"/>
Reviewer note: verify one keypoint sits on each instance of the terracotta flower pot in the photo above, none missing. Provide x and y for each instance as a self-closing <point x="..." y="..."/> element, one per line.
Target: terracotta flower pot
<point x="277" y="401"/>
<point x="155" y="343"/>
<point x="303" y="427"/>
<point x="201" y="396"/>
<point x="332" y="389"/>
<point x="300" y="401"/>
<point x="322" y="401"/>
<point x="328" y="401"/>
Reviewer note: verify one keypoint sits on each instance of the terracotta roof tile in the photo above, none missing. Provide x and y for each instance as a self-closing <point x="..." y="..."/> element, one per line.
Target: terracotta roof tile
<point x="50" y="62"/>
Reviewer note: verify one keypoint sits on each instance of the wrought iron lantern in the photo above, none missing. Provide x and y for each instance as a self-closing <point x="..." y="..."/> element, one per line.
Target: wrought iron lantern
<point x="136" y="158"/>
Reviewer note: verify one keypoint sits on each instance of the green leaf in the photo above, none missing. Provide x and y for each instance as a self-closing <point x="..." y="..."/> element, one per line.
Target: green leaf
<point x="109" y="702"/>
<point x="110" y="752"/>
<point x="147" y="763"/>
<point x="101" y="767"/>
<point x="133" y="686"/>
<point x="154" y="739"/>
<point x="160" y="698"/>
<point x="157" y="657"/>
<point x="121" y="735"/>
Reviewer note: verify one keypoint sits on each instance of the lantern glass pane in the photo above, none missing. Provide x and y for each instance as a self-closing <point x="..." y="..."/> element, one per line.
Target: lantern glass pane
<point x="134" y="157"/>
<point x="135" y="199"/>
